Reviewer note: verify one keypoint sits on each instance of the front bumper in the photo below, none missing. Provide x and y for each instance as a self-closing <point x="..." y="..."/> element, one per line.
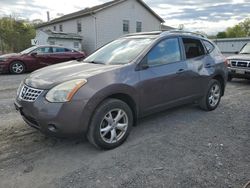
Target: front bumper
<point x="57" y="119"/>
<point x="238" y="72"/>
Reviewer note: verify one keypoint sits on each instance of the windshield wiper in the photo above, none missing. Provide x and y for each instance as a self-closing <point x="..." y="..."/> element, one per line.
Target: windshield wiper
<point x="94" y="62"/>
<point x="245" y="53"/>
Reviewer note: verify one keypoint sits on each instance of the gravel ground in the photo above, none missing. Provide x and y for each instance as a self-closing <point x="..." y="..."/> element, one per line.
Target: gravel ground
<point x="181" y="147"/>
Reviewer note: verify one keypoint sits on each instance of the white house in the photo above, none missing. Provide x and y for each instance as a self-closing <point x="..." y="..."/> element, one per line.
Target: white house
<point x="70" y="40"/>
<point x="103" y="23"/>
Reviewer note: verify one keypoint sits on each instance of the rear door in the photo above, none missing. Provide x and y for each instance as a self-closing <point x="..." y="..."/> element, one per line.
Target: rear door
<point x="61" y="54"/>
<point x="197" y="62"/>
<point x="165" y="76"/>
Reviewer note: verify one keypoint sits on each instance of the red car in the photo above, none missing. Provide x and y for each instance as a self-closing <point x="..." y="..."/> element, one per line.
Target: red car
<point x="37" y="57"/>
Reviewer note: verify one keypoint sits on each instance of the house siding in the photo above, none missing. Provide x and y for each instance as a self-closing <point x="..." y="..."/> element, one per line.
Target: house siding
<point x="110" y="21"/>
<point x="106" y="25"/>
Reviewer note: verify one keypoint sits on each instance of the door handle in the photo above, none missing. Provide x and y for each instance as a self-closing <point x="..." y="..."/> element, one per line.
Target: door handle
<point x="180" y="71"/>
<point x="209" y="65"/>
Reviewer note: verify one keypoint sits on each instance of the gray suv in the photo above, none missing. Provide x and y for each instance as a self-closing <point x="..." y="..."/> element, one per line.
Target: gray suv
<point x="239" y="65"/>
<point x="131" y="77"/>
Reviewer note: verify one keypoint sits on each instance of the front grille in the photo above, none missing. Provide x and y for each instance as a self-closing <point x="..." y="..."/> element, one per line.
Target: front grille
<point x="240" y="64"/>
<point x="29" y="94"/>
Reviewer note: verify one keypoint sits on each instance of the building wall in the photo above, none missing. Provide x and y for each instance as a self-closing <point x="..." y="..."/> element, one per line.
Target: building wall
<point x="87" y="33"/>
<point x="110" y="21"/>
<point x="41" y="37"/>
<point x="230" y="46"/>
<point x="107" y="24"/>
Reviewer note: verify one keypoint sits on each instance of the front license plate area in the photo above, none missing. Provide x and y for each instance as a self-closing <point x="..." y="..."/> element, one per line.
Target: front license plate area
<point x="240" y="71"/>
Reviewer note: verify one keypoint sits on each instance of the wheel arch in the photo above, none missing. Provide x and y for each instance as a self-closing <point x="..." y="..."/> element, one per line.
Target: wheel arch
<point x="14" y="60"/>
<point x="222" y="81"/>
<point x="121" y="92"/>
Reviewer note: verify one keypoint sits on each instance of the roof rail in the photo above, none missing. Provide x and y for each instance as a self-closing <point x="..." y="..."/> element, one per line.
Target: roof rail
<point x="184" y="32"/>
<point x="144" y="33"/>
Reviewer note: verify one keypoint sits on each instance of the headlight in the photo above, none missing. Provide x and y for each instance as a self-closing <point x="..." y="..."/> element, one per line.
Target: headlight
<point x="65" y="91"/>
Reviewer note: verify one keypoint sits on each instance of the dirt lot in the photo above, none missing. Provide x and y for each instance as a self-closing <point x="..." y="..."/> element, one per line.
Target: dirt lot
<point x="182" y="147"/>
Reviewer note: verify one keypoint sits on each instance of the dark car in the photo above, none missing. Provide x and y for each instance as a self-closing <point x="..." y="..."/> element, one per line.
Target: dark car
<point x="37" y="57"/>
<point x="131" y="77"/>
<point x="239" y="65"/>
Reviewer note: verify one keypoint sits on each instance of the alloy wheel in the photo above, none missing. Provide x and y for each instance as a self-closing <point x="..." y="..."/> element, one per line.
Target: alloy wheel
<point x="17" y="68"/>
<point x="214" y="95"/>
<point x="114" y="126"/>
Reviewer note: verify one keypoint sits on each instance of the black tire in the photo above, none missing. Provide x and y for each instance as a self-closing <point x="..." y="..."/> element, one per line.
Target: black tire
<point x="229" y="78"/>
<point x="98" y="120"/>
<point x="17" y="67"/>
<point x="205" y="102"/>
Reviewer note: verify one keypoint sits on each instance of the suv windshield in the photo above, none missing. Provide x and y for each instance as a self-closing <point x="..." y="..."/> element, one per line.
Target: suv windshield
<point x="121" y="51"/>
<point x="28" y="50"/>
<point x="245" y="49"/>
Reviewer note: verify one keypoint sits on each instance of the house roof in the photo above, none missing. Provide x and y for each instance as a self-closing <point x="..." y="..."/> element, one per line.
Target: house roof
<point x="95" y="9"/>
<point x="52" y="34"/>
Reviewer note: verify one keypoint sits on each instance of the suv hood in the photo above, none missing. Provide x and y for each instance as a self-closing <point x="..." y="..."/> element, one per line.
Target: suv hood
<point x="50" y="76"/>
<point x="240" y="57"/>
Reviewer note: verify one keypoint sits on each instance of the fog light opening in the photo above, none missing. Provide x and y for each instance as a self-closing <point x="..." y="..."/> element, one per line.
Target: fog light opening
<point x="52" y="128"/>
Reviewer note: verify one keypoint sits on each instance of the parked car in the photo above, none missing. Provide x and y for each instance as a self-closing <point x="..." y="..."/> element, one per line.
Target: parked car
<point x="37" y="57"/>
<point x="131" y="77"/>
<point x="239" y="65"/>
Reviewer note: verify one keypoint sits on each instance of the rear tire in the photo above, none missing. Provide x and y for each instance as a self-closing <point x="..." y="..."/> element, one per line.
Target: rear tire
<point x="212" y="98"/>
<point x="111" y="124"/>
<point x="17" y="67"/>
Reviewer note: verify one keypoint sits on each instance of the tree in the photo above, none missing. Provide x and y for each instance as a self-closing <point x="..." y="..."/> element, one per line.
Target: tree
<point x="15" y="35"/>
<point x="236" y="31"/>
<point x="222" y="35"/>
<point x="240" y="30"/>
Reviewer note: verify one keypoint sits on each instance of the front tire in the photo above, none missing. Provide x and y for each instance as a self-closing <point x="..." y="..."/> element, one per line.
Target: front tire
<point x="111" y="124"/>
<point x="17" y="67"/>
<point x="212" y="98"/>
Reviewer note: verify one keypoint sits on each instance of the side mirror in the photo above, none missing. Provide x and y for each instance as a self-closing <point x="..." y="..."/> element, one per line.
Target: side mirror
<point x="33" y="54"/>
<point x="236" y="52"/>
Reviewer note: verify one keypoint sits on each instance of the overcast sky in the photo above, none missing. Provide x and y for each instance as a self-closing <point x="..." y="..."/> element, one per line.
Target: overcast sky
<point x="209" y="16"/>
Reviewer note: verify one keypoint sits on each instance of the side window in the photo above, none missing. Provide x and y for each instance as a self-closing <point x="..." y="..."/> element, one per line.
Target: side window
<point x="58" y="50"/>
<point x="209" y="46"/>
<point x="43" y="50"/>
<point x="193" y="48"/>
<point x="167" y="51"/>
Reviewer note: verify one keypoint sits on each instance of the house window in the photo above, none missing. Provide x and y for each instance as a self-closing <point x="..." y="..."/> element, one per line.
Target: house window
<point x="76" y="44"/>
<point x="79" y="27"/>
<point x="126" y="26"/>
<point x="138" y="26"/>
<point x="54" y="28"/>
<point x="61" y="28"/>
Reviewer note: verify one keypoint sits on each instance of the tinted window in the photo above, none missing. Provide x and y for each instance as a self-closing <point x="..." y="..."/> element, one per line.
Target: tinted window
<point x="58" y="50"/>
<point x="209" y="46"/>
<point x="167" y="51"/>
<point x="44" y="50"/>
<point x="193" y="48"/>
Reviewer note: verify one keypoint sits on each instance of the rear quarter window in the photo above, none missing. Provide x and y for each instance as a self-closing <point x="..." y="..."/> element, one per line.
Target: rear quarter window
<point x="209" y="46"/>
